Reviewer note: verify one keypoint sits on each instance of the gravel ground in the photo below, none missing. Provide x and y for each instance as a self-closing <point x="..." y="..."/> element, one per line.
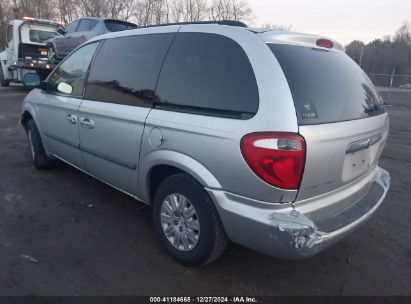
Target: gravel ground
<point x="64" y="233"/>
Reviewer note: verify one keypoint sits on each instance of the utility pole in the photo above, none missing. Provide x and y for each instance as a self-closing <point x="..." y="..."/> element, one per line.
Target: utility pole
<point x="361" y="56"/>
<point x="392" y="78"/>
<point x="391" y="82"/>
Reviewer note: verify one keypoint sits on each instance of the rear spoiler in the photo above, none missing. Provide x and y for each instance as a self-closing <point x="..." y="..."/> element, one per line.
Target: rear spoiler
<point x="130" y="24"/>
<point x="300" y="39"/>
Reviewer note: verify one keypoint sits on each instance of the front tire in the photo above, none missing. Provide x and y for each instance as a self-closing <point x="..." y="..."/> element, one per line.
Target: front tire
<point x="4" y="82"/>
<point x="39" y="157"/>
<point x="187" y="222"/>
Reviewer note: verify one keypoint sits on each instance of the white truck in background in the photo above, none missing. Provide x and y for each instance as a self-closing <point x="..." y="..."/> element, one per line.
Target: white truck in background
<point x="26" y="49"/>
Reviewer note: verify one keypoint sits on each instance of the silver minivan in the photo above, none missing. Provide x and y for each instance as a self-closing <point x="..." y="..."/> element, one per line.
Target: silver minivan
<point x="268" y="139"/>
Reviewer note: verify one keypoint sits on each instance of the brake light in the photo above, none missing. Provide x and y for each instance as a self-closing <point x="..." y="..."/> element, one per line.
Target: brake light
<point x="326" y="43"/>
<point x="277" y="158"/>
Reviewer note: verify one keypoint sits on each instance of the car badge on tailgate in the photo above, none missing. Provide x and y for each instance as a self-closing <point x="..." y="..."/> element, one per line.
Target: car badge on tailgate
<point x="363" y="144"/>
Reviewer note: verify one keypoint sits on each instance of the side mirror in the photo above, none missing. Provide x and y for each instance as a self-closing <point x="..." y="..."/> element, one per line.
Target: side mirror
<point x="61" y="31"/>
<point x="32" y="80"/>
<point x="65" y="88"/>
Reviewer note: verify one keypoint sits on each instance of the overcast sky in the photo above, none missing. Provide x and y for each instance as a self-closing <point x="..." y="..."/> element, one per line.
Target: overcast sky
<point x="343" y="20"/>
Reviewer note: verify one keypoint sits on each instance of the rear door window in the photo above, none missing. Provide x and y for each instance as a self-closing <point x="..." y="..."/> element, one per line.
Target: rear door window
<point x="327" y="86"/>
<point x="72" y="26"/>
<point x="85" y="25"/>
<point x="208" y="72"/>
<point x="93" y="24"/>
<point x="126" y="69"/>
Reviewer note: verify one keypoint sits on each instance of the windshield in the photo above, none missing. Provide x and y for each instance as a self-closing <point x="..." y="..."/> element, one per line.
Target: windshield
<point x="327" y="86"/>
<point x="39" y="36"/>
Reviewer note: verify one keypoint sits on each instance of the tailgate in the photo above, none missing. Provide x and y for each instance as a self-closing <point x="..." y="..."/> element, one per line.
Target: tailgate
<point x="32" y="50"/>
<point x="339" y="113"/>
<point x="339" y="153"/>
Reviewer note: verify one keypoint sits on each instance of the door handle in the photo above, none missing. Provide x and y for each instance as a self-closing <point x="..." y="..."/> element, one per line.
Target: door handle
<point x="71" y="118"/>
<point x="87" y="123"/>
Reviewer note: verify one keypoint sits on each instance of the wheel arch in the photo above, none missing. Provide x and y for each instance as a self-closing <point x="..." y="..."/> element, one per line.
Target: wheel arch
<point x="25" y="117"/>
<point x="160" y="164"/>
<point x="27" y="114"/>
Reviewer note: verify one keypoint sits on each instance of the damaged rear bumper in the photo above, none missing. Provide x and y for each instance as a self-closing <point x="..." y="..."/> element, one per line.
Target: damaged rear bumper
<point x="296" y="231"/>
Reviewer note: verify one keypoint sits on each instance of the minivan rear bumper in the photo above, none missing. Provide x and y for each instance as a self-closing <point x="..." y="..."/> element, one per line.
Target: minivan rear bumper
<point x="293" y="231"/>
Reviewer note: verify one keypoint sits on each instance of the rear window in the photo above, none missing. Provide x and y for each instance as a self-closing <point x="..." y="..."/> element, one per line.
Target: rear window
<point x="117" y="26"/>
<point x="39" y="36"/>
<point x="327" y="86"/>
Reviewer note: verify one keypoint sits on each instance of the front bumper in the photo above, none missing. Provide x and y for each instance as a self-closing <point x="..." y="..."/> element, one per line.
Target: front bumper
<point x="296" y="231"/>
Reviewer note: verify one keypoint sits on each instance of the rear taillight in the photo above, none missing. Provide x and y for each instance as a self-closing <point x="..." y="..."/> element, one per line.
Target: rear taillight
<point x="277" y="158"/>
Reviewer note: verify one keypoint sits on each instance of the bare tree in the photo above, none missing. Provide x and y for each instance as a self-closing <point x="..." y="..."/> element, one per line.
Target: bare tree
<point x="40" y="9"/>
<point x="3" y="23"/>
<point x="404" y="33"/>
<point x="95" y="8"/>
<point x="195" y="10"/>
<point x="144" y="12"/>
<point x="120" y="9"/>
<point x="384" y="56"/>
<point x="277" y="27"/>
<point x="160" y="12"/>
<point x="355" y="50"/>
<point x="163" y="11"/>
<point x="176" y="10"/>
<point x="241" y="10"/>
<point x="238" y="10"/>
<point x="67" y="11"/>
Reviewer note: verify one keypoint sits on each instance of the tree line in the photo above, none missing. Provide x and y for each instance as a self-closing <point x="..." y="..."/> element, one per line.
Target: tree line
<point x="143" y="12"/>
<point x="390" y="55"/>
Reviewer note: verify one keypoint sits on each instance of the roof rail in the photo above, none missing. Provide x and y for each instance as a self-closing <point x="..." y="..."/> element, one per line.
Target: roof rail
<point x="220" y="22"/>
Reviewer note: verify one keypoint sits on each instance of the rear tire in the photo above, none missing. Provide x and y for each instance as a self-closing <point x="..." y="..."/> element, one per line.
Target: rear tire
<point x="39" y="157"/>
<point x="210" y="240"/>
<point x="3" y="81"/>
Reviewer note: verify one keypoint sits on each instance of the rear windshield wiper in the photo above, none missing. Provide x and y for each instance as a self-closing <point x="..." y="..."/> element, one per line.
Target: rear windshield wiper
<point x="373" y="108"/>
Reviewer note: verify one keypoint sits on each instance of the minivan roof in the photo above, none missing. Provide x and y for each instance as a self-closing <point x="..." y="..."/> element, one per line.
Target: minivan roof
<point x="269" y="36"/>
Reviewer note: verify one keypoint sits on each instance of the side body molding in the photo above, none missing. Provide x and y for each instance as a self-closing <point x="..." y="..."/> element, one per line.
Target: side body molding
<point x="177" y="160"/>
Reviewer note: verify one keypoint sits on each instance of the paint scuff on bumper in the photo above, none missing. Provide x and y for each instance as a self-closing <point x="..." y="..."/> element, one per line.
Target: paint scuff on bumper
<point x="302" y="231"/>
